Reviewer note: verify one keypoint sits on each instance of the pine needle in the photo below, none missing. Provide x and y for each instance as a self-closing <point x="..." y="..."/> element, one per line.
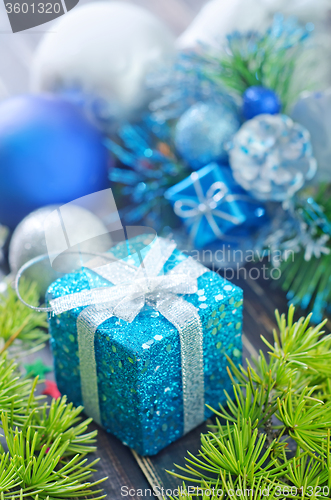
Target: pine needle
<point x="274" y="436"/>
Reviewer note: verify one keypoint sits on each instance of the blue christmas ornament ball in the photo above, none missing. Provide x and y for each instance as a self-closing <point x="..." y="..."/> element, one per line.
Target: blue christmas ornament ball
<point x="49" y="154"/>
<point x="203" y="131"/>
<point x="260" y="100"/>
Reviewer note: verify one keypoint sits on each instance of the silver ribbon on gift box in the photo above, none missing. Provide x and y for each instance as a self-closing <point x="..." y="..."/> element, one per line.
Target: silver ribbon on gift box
<point x="132" y="288"/>
<point x="208" y="205"/>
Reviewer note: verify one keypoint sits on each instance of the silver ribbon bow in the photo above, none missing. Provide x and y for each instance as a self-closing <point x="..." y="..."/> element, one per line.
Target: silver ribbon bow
<point x="207" y="206"/>
<point x="132" y="289"/>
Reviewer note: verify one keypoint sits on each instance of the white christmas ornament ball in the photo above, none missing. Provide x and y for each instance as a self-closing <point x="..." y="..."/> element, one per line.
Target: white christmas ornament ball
<point x="106" y="49"/>
<point x="28" y="241"/>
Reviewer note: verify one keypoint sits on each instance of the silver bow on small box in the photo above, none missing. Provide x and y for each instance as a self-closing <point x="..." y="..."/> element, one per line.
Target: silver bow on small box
<point x="207" y="205"/>
<point x="213" y="206"/>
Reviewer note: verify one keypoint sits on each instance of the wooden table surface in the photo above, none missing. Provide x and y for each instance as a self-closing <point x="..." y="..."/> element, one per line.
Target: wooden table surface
<point x="119" y="463"/>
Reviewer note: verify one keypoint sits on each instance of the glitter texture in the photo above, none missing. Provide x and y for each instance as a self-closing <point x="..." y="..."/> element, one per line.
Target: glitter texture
<point x="271" y="157"/>
<point x="203" y="131"/>
<point x="139" y="366"/>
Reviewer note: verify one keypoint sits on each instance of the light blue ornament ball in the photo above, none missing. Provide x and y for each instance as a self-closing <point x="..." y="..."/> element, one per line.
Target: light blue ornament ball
<point x="203" y="131"/>
<point x="49" y="154"/>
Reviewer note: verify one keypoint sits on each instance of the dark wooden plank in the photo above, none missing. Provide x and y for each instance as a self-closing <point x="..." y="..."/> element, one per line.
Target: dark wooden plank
<point x="119" y="465"/>
<point x="261" y="298"/>
<point x="155" y="468"/>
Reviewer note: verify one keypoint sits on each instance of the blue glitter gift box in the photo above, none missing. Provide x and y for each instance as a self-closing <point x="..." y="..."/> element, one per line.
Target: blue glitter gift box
<point x="146" y="378"/>
<point x="213" y="206"/>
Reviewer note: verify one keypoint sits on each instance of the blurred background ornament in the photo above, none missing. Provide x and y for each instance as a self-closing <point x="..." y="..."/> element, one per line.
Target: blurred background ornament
<point x="203" y="131"/>
<point x="28" y="241"/>
<point x="271" y="157"/>
<point x="148" y="167"/>
<point x="218" y="18"/>
<point x="223" y="72"/>
<point x="302" y="233"/>
<point x="105" y="49"/>
<point x="4" y="233"/>
<point x="37" y="369"/>
<point x="269" y="59"/>
<point x="188" y="81"/>
<point x="51" y="389"/>
<point x="313" y="111"/>
<point x="213" y="206"/>
<point x="50" y="153"/>
<point x="259" y="100"/>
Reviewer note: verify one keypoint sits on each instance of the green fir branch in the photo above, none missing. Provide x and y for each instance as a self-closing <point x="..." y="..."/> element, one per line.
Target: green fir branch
<point x="275" y="433"/>
<point x="20" y="325"/>
<point x="45" y="447"/>
<point x="307" y="283"/>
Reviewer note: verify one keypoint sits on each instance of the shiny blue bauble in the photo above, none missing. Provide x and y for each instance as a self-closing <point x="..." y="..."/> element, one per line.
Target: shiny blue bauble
<point x="49" y="154"/>
<point x="260" y="101"/>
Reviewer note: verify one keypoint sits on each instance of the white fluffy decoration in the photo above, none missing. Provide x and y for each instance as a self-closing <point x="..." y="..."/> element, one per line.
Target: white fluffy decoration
<point x="106" y="48"/>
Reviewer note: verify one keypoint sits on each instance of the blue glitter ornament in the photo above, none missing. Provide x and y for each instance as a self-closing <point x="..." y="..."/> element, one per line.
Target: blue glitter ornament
<point x="259" y="101"/>
<point x="271" y="157"/>
<point x="50" y="154"/>
<point x="146" y="381"/>
<point x="146" y="149"/>
<point x="203" y="131"/>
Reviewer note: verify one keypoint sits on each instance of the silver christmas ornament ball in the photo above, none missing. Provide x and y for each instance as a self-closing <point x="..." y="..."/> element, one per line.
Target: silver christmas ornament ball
<point x="271" y="157"/>
<point x="28" y="241"/>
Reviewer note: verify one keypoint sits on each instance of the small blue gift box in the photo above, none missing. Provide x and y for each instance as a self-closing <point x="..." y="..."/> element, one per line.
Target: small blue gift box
<point x="213" y="206"/>
<point x="146" y="380"/>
